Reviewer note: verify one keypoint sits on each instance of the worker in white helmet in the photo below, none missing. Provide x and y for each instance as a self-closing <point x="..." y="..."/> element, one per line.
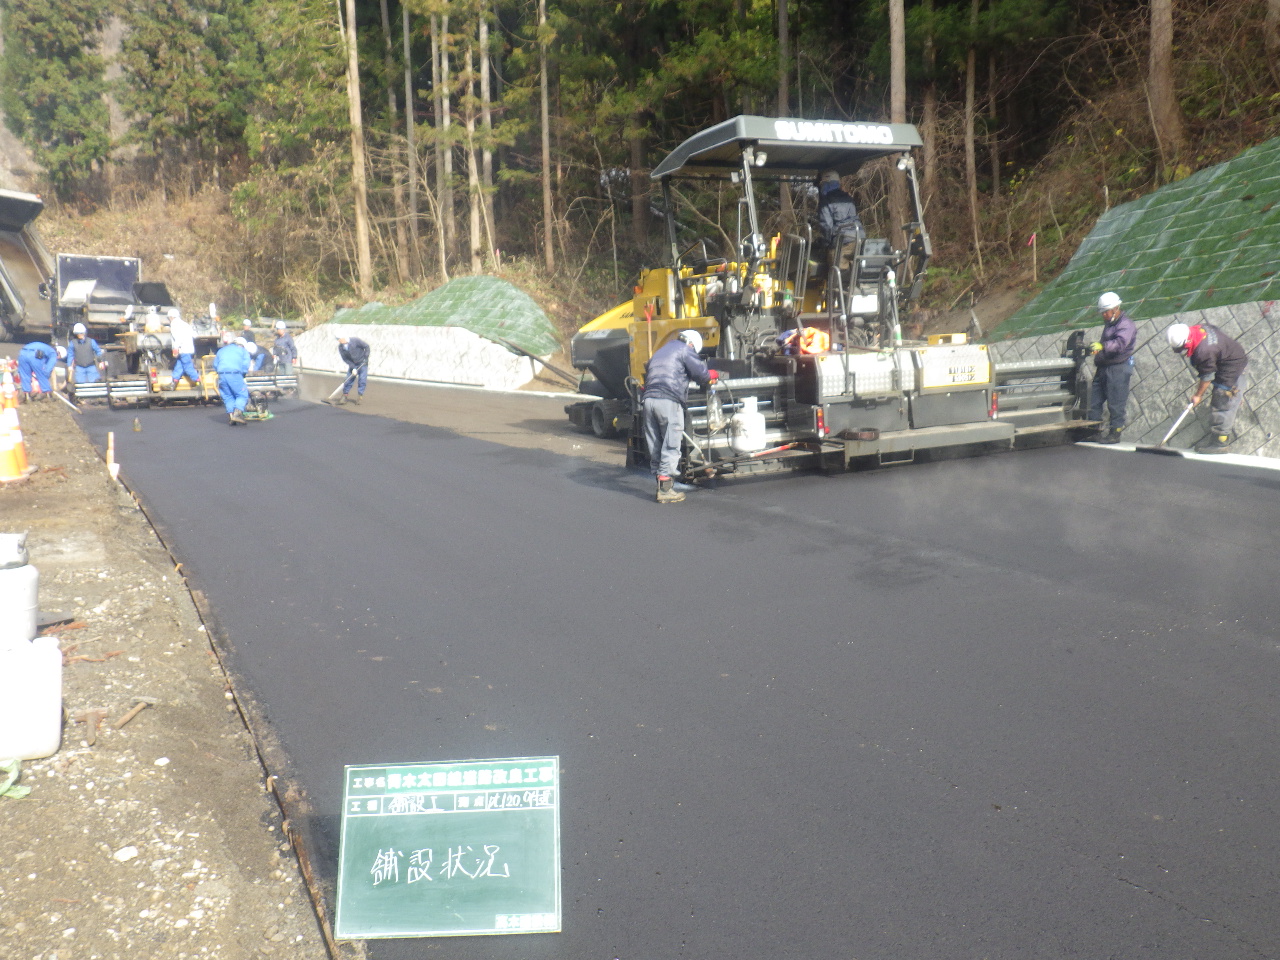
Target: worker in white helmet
<point x="1220" y="362"/>
<point x="667" y="376"/>
<point x="183" y="341"/>
<point x="84" y="356"/>
<point x="284" y="349"/>
<point x="1113" y="368"/>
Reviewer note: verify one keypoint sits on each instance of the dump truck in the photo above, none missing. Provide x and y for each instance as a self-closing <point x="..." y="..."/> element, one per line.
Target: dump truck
<point x="24" y="265"/>
<point x="807" y="338"/>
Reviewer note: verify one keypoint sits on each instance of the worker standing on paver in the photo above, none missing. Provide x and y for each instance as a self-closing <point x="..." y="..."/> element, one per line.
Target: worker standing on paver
<point x="355" y="354"/>
<point x="231" y="364"/>
<point x="84" y="356"/>
<point x="184" y="348"/>
<point x="1221" y="362"/>
<point x="284" y="349"/>
<point x="839" y="226"/>
<point x="667" y="376"/>
<point x="35" y="368"/>
<point x="1113" y="368"/>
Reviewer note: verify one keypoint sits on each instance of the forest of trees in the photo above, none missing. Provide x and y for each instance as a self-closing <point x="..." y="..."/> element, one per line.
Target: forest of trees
<point x="374" y="147"/>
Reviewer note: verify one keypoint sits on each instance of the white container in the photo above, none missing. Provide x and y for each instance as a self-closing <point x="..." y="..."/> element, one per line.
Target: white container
<point x="746" y="428"/>
<point x="31" y="701"/>
<point x="19" y="586"/>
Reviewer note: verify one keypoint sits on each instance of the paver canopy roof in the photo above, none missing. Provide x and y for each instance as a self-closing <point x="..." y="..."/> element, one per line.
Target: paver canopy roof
<point x="1211" y="240"/>
<point x="793" y="146"/>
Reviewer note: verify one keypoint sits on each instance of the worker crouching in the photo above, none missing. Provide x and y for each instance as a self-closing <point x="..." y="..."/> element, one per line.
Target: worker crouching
<point x="231" y="364"/>
<point x="667" y="376"/>
<point x="1221" y="362"/>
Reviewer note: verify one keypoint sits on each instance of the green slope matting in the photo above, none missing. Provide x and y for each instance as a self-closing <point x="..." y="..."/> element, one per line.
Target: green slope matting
<point x="487" y="306"/>
<point x="1211" y="240"/>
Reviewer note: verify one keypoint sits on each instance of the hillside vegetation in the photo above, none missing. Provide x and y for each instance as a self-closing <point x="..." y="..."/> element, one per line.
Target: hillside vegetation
<point x="227" y="167"/>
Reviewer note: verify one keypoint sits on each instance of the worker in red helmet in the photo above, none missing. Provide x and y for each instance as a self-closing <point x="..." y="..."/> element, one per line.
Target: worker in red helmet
<point x="1221" y="362"/>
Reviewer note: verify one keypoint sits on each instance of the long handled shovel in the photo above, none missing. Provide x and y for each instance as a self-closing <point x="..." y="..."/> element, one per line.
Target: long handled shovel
<point x="1160" y="447"/>
<point x="343" y="386"/>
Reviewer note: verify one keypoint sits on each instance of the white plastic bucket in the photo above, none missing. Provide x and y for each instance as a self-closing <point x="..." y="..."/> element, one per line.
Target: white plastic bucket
<point x="31" y="701"/>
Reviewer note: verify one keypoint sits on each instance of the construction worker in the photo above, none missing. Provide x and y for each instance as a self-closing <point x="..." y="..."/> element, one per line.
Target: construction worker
<point x="257" y="355"/>
<point x="35" y="367"/>
<point x="246" y="331"/>
<point x="231" y="364"/>
<point x="184" y="348"/>
<point x="667" y="376"/>
<point x="1113" y="368"/>
<point x="284" y="349"/>
<point x="1221" y="363"/>
<point x="839" y="226"/>
<point x="84" y="356"/>
<point x="355" y="354"/>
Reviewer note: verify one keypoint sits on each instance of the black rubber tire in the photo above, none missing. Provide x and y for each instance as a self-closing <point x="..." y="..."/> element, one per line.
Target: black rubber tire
<point x="601" y="423"/>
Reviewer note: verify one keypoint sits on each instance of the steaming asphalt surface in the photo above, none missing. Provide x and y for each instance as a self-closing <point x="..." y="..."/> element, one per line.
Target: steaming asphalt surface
<point x="1021" y="706"/>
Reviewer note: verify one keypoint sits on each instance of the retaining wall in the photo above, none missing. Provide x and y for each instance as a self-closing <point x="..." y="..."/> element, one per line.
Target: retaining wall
<point x="1163" y="380"/>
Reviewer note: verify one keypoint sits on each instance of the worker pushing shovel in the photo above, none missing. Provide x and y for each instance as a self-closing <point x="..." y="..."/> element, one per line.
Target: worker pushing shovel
<point x="355" y="354"/>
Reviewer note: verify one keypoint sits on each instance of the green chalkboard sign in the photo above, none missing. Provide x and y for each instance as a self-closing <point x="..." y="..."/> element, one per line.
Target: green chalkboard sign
<point x="450" y="849"/>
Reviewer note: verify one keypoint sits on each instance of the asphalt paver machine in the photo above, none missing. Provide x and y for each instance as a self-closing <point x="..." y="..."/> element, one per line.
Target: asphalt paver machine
<point x="814" y="367"/>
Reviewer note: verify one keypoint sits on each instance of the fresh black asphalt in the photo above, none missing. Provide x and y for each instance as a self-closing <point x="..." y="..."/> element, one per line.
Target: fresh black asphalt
<point x="1021" y="706"/>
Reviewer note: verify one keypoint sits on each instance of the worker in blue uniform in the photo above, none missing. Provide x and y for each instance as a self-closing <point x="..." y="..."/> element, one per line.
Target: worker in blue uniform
<point x="35" y="368"/>
<point x="84" y="356"/>
<point x="355" y="354"/>
<point x="231" y="364"/>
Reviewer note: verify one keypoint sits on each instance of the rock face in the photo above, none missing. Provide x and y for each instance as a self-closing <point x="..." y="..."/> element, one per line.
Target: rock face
<point x="431" y="354"/>
<point x="1163" y="381"/>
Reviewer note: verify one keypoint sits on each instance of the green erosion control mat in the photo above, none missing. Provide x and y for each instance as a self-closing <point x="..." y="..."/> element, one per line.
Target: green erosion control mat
<point x="1211" y="240"/>
<point x="486" y="306"/>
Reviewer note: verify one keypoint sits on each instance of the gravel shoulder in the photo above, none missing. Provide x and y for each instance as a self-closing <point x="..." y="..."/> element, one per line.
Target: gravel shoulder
<point x="158" y="839"/>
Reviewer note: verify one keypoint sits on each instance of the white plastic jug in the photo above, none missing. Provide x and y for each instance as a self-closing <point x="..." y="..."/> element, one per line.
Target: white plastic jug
<point x="31" y="700"/>
<point x="19" y="586"/>
<point x="746" y="428"/>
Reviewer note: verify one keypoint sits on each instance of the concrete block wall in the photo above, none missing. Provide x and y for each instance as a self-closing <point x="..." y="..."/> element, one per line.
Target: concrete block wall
<point x="435" y="354"/>
<point x="1163" y="381"/>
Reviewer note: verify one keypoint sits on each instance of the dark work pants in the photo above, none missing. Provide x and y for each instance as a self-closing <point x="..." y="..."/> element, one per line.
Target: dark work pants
<point x="1111" y="386"/>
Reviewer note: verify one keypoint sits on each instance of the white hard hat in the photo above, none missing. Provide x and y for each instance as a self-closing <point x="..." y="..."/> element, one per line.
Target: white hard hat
<point x="340" y="336"/>
<point x="247" y="322"/>
<point x="693" y="338"/>
<point x="79" y="328"/>
<point x="1108" y="301"/>
<point x="240" y="340"/>
<point x="173" y="313"/>
<point x="829" y="176"/>
<point x="62" y="352"/>
<point x="281" y="325"/>
<point x="1177" y="335"/>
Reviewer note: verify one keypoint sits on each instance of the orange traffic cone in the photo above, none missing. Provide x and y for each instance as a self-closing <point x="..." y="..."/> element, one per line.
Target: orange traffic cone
<point x="8" y="392"/>
<point x="11" y="436"/>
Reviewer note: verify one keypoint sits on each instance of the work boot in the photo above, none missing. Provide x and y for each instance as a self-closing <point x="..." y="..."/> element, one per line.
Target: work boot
<point x="357" y="398"/>
<point x="238" y="417"/>
<point x="1214" y="443"/>
<point x="1110" y="436"/>
<point x="667" y="492"/>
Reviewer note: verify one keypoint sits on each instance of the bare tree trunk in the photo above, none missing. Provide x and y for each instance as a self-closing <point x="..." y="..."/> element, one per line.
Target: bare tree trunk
<point x="437" y="108"/>
<point x="446" y="133"/>
<point x="970" y="153"/>
<point x="639" y="190"/>
<point x="784" y="91"/>
<point x="547" y="212"/>
<point x="897" y="114"/>
<point x="1271" y="38"/>
<point x="486" y="123"/>
<point x="411" y="145"/>
<point x="397" y="183"/>
<point x="929" y="111"/>
<point x="993" y="133"/>
<point x="1166" y="116"/>
<point x="473" y="168"/>
<point x="363" y="255"/>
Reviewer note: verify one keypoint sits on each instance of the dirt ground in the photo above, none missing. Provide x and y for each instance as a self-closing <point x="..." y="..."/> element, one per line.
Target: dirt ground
<point x="158" y="839"/>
